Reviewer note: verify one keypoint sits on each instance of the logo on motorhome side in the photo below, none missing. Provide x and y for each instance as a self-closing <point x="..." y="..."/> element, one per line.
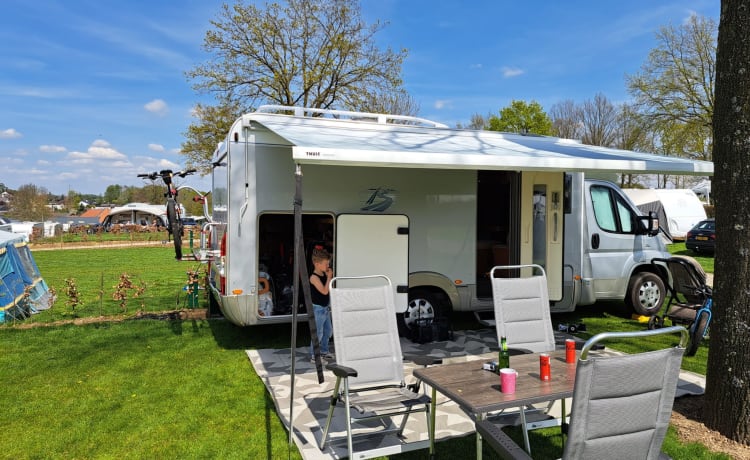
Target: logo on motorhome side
<point x="379" y="199"/>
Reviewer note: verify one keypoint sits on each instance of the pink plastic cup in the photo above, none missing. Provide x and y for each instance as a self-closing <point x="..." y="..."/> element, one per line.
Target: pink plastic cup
<point x="508" y="380"/>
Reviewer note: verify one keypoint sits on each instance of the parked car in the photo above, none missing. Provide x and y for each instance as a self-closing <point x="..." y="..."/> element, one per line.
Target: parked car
<point x="702" y="237"/>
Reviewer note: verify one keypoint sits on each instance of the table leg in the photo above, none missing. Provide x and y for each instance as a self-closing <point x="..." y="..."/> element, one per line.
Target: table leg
<point x="479" y="417"/>
<point x="524" y="430"/>
<point x="431" y="428"/>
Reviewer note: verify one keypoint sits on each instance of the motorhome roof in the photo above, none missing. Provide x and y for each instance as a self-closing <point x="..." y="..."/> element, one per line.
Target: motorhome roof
<point x="362" y="142"/>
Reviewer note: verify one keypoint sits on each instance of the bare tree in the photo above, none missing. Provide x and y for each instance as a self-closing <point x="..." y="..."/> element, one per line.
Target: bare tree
<point x="30" y="203"/>
<point x="567" y="119"/>
<point x="728" y="376"/>
<point x="311" y="53"/>
<point x="599" y="121"/>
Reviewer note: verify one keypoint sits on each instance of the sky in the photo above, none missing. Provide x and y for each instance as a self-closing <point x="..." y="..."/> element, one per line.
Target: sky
<point x="94" y="92"/>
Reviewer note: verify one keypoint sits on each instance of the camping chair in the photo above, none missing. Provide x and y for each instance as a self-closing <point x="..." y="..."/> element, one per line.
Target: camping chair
<point x="522" y="316"/>
<point x="687" y="290"/>
<point x="621" y="404"/>
<point x="369" y="362"/>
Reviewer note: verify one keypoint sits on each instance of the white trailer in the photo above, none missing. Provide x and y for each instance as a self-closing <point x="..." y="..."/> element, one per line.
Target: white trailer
<point x="682" y="207"/>
<point x="433" y="208"/>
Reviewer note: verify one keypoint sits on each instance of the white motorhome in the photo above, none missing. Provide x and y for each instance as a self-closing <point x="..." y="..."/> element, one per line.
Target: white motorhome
<point x="431" y="207"/>
<point x="682" y="207"/>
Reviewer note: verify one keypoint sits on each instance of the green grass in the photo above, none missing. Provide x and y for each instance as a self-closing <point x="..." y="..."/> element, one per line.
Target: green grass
<point x="180" y="389"/>
<point x="97" y="272"/>
<point x="138" y="389"/>
<point x="706" y="261"/>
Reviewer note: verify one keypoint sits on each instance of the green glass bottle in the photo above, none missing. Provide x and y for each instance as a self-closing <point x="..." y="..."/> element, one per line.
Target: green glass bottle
<point x="503" y="358"/>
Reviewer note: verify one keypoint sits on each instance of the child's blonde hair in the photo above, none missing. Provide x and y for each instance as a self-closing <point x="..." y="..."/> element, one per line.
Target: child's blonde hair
<point x="319" y="254"/>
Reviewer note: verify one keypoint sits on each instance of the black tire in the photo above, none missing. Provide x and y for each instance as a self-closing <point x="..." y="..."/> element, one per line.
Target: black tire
<point x="423" y="305"/>
<point x="646" y="293"/>
<point x="697" y="330"/>
<point x="175" y="228"/>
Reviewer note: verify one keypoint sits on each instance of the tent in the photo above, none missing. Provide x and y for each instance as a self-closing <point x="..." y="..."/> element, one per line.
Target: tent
<point x="22" y="289"/>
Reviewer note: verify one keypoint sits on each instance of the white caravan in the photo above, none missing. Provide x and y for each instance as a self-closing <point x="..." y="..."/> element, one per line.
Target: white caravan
<point x="682" y="207"/>
<point x="431" y="207"/>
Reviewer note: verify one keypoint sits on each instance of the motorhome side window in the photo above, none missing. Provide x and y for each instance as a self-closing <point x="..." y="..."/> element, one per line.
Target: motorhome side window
<point x="611" y="211"/>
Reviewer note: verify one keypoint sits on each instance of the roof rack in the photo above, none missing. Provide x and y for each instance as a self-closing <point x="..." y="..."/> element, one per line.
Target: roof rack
<point x="380" y="118"/>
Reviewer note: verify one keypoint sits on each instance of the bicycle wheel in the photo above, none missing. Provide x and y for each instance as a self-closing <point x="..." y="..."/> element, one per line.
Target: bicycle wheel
<point x="697" y="331"/>
<point x="175" y="228"/>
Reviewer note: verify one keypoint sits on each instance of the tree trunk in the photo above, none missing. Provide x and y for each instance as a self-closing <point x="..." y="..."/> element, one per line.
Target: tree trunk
<point x="728" y="375"/>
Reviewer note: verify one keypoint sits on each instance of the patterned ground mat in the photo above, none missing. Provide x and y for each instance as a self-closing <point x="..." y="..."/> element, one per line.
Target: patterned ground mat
<point x="311" y="399"/>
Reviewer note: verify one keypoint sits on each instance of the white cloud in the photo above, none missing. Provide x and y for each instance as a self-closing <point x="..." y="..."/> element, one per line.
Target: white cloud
<point x="10" y="133"/>
<point x="52" y="148"/>
<point x="510" y="72"/>
<point x="442" y="104"/>
<point x="157" y="107"/>
<point x="156" y="147"/>
<point x="99" y="150"/>
<point x="475" y="66"/>
<point x="43" y="163"/>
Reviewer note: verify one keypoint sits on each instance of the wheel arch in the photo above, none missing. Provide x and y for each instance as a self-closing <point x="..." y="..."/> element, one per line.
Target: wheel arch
<point x="436" y="283"/>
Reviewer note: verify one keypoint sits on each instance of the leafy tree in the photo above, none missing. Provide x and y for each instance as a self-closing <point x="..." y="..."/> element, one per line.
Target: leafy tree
<point x="520" y="117"/>
<point x="676" y="83"/>
<point x="311" y="53"/>
<point x="30" y="203"/>
<point x="71" y="200"/>
<point x="213" y="124"/>
<point x="727" y="405"/>
<point x="112" y="194"/>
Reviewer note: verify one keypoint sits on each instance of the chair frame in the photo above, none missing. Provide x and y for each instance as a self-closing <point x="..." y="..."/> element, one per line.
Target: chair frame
<point x="386" y="399"/>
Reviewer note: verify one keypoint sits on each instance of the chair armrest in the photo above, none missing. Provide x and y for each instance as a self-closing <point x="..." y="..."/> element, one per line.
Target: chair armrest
<point x="341" y="371"/>
<point x="423" y="360"/>
<point x="500" y="442"/>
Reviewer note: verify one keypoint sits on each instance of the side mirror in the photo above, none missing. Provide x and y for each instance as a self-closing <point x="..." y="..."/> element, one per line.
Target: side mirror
<point x="649" y="224"/>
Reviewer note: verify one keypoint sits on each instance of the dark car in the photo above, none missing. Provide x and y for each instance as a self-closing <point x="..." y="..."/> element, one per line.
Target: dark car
<point x="702" y="237"/>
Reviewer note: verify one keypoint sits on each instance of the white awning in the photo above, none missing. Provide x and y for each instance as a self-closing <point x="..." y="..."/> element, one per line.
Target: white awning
<point x="361" y="143"/>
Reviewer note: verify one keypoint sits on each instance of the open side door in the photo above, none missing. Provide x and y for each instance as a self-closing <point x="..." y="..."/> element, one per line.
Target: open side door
<point x="375" y="244"/>
<point x="542" y="232"/>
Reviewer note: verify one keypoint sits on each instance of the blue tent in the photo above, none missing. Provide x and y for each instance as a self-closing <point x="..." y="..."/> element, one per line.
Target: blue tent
<point x="22" y="289"/>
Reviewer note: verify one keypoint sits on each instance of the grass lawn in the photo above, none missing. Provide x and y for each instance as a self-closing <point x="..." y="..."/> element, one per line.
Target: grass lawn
<point x="176" y="389"/>
<point x="96" y="273"/>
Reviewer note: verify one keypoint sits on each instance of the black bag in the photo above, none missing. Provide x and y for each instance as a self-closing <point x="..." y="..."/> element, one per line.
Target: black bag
<point x="431" y="330"/>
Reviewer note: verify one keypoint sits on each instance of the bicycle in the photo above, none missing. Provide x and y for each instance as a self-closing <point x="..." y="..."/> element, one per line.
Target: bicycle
<point x="174" y="218"/>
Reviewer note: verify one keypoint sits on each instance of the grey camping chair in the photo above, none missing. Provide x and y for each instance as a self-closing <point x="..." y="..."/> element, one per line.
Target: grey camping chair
<point x="369" y="362"/>
<point x="522" y="316"/>
<point x="522" y="308"/>
<point x="621" y="404"/>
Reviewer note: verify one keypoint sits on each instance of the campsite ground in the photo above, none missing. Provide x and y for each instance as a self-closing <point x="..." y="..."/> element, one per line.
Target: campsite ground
<point x="687" y="415"/>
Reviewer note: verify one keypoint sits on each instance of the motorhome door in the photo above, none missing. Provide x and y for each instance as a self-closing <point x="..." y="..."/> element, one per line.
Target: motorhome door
<point x="375" y="244"/>
<point x="542" y="226"/>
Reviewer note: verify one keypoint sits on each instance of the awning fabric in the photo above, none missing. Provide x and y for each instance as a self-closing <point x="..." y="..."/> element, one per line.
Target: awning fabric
<point x="318" y="140"/>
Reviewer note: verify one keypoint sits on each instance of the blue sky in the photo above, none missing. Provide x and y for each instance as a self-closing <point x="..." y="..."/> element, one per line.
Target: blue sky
<point x="94" y="92"/>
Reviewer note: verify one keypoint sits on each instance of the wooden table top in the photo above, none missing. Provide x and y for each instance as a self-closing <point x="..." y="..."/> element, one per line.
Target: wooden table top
<point x="478" y="390"/>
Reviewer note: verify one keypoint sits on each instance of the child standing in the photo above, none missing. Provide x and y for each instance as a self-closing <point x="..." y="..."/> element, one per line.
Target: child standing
<point x="320" y="280"/>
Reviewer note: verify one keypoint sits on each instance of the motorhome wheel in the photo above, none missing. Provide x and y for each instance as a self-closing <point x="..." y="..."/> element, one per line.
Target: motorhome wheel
<point x="646" y="293"/>
<point x="423" y="305"/>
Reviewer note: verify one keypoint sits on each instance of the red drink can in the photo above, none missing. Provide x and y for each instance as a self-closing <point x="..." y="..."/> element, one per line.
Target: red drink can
<point x="570" y="351"/>
<point x="544" y="367"/>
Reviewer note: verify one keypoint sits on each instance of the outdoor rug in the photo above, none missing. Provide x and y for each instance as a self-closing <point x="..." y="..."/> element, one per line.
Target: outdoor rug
<point x="312" y="399"/>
